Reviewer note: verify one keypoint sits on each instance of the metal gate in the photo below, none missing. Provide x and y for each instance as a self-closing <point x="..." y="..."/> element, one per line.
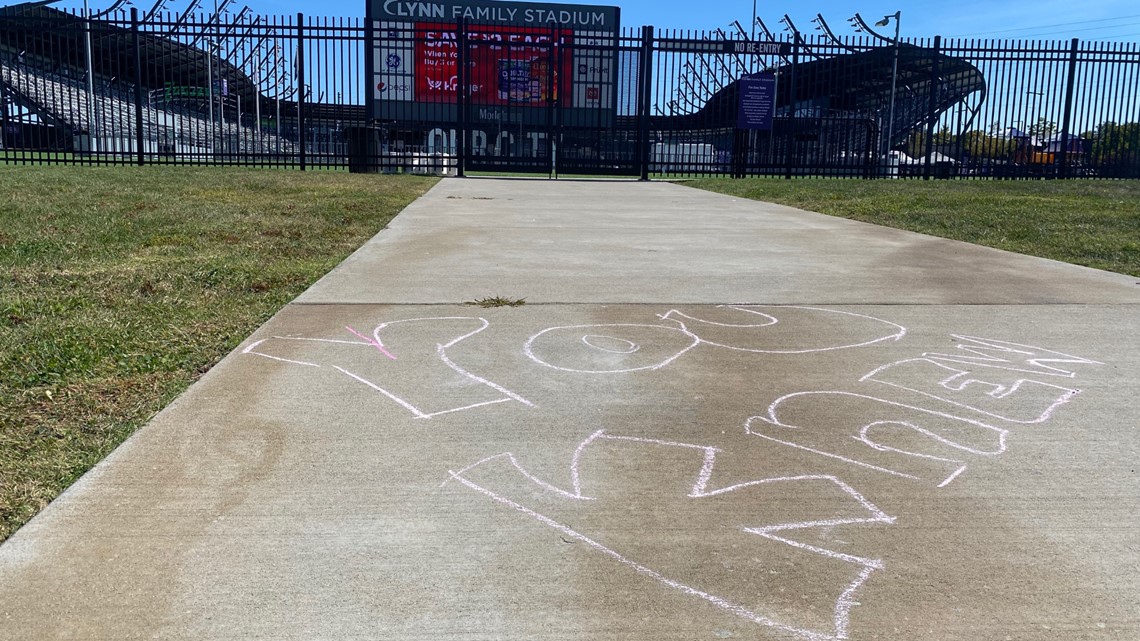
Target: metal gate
<point x="495" y="98"/>
<point x="505" y="98"/>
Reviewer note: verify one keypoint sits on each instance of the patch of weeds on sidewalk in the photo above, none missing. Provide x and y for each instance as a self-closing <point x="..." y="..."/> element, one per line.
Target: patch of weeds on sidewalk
<point x="497" y="301"/>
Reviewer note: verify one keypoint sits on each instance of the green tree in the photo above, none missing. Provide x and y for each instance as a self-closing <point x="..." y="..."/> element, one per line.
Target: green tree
<point x="1116" y="148"/>
<point x="1042" y="129"/>
<point x="916" y="143"/>
<point x="1112" y="140"/>
<point x="980" y="144"/>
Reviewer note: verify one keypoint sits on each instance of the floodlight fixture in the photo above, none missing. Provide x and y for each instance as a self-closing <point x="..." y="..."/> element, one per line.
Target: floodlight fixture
<point x="862" y="26"/>
<point x="826" y="29"/>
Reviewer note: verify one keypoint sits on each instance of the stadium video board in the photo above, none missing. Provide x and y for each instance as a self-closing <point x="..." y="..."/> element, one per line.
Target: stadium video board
<point x="521" y="58"/>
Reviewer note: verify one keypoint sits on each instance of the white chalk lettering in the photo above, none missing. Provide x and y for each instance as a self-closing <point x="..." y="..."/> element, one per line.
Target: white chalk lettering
<point x="741" y="498"/>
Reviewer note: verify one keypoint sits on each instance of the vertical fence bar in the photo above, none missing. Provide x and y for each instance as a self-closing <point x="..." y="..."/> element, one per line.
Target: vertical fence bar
<point x="550" y="103"/>
<point x="136" y="40"/>
<point x="461" y="94"/>
<point x="1068" y="117"/>
<point x="644" y="88"/>
<point x="560" y="97"/>
<point x="790" y="138"/>
<point x="932" y="111"/>
<point x="369" y="48"/>
<point x="300" y="61"/>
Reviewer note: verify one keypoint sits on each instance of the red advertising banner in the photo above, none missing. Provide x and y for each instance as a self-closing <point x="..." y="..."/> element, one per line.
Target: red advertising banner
<point x="509" y="65"/>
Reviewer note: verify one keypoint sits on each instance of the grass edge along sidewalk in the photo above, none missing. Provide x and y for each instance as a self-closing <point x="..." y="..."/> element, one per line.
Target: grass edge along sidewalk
<point x="1090" y="223"/>
<point x="121" y="286"/>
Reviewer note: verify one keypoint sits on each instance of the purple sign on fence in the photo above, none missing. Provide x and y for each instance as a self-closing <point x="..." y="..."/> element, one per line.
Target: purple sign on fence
<point x="757" y="103"/>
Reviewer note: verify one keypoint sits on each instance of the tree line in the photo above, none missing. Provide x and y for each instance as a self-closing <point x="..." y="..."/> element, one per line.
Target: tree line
<point x="1113" y="148"/>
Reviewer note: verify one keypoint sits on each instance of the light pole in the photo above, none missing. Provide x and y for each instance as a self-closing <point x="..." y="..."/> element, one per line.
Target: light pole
<point x="91" y="137"/>
<point x="753" y="19"/>
<point x="257" y="93"/>
<point x="894" y="75"/>
<point x="92" y="105"/>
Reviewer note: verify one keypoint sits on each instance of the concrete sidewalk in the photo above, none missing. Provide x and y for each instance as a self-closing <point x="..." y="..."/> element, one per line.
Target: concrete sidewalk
<point x="714" y="418"/>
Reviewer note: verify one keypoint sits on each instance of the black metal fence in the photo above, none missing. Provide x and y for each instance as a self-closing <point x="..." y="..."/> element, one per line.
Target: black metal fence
<point x="170" y="88"/>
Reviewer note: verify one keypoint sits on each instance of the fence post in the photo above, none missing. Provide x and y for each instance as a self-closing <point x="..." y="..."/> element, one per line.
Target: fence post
<point x="300" y="61"/>
<point x="791" y="137"/>
<point x="551" y="103"/>
<point x="461" y="93"/>
<point x="1068" y="120"/>
<point x="369" y="67"/>
<point x="644" y="87"/>
<point x="559" y="102"/>
<point x="932" y="111"/>
<point x="140" y="158"/>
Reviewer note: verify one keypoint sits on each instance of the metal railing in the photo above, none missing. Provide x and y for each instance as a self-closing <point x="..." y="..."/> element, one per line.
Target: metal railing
<point x="292" y="91"/>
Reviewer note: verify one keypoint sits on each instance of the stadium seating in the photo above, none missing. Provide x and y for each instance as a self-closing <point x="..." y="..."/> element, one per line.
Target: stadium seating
<point x="110" y="119"/>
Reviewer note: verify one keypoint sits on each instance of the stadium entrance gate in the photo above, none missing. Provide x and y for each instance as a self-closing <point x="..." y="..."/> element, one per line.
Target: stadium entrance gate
<point x="524" y="89"/>
<point x="492" y="97"/>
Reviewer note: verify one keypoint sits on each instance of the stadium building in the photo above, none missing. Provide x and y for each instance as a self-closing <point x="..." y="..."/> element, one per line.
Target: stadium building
<point x="104" y="87"/>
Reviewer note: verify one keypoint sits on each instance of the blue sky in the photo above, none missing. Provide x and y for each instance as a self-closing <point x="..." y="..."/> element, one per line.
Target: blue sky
<point x="1051" y="19"/>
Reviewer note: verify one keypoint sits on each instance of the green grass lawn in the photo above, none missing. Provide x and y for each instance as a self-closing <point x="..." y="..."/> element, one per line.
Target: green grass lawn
<point x="121" y="286"/>
<point x="1086" y="222"/>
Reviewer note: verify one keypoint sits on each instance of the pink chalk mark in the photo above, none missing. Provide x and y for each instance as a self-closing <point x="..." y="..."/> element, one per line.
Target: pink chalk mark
<point x="372" y="341"/>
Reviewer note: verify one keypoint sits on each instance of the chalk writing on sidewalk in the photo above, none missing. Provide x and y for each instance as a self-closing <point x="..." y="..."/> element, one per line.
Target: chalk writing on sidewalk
<point x="924" y="418"/>
<point x="424" y="379"/>
<point x="978" y="392"/>
<point x="783" y="533"/>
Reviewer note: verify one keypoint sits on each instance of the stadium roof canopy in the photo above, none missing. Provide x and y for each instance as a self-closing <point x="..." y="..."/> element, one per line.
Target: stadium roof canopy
<point x="855" y="83"/>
